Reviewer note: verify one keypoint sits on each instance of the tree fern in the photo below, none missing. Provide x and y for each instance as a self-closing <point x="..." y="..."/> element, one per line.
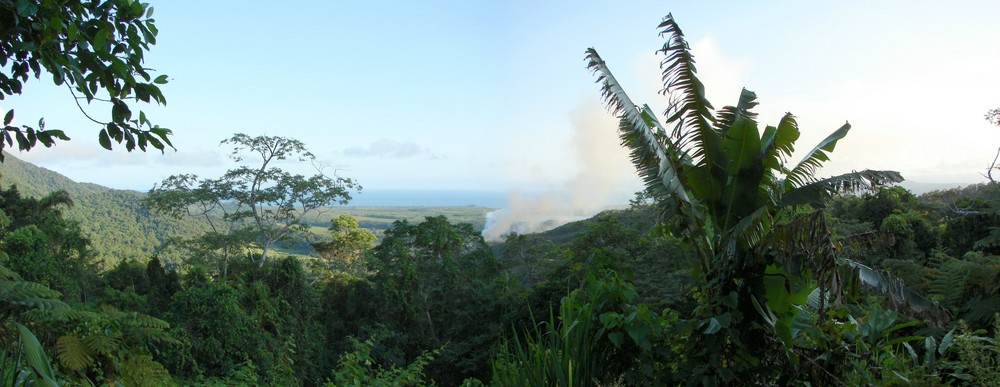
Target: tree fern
<point x="73" y="353"/>
<point x="141" y="370"/>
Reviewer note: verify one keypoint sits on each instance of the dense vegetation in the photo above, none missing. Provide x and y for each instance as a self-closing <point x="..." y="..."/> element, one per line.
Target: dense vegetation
<point x="733" y="266"/>
<point x="433" y="302"/>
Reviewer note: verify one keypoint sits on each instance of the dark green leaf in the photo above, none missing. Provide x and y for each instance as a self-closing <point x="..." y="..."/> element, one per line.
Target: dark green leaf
<point x="26" y="8"/>
<point x="160" y="79"/>
<point x="104" y="139"/>
<point x="9" y="117"/>
<point x="22" y="141"/>
<point x="57" y="134"/>
<point x="100" y="39"/>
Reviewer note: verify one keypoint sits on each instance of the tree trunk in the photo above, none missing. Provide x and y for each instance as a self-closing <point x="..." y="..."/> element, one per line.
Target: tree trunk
<point x="263" y="255"/>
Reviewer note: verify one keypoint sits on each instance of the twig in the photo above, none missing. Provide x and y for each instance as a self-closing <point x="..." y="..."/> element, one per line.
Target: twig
<point x="77" y="100"/>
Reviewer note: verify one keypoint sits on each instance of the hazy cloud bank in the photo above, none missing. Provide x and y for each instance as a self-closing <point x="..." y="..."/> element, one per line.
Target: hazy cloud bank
<point x="388" y="148"/>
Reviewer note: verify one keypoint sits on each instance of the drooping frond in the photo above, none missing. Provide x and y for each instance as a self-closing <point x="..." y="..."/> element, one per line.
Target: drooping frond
<point x="651" y="156"/>
<point x="898" y="296"/>
<point x="817" y="193"/>
<point x="54" y="199"/>
<point x="802" y="244"/>
<point x="858" y="245"/>
<point x="803" y="172"/>
<point x="690" y="111"/>
<point x="751" y="229"/>
<point x="59" y="316"/>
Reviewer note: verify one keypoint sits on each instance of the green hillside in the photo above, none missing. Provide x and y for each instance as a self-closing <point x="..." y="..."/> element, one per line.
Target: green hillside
<point x="120" y="227"/>
<point x="117" y="223"/>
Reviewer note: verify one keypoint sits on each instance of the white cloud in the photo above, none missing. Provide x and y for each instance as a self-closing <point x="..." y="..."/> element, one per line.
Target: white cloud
<point x="388" y="148"/>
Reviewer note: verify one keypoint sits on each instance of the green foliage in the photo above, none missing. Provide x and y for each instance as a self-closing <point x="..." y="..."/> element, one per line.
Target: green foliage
<point x="261" y="197"/>
<point x="97" y="50"/>
<point x="731" y="198"/>
<point x="44" y="247"/>
<point x="347" y="244"/>
<point x="601" y="336"/>
<point x="35" y="358"/>
<point x="979" y="356"/>
<point x="435" y="282"/>
<point x="220" y="332"/>
<point x="115" y="221"/>
<point x="358" y="368"/>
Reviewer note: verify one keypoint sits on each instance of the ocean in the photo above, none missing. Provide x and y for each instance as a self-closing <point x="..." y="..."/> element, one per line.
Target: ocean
<point x="428" y="198"/>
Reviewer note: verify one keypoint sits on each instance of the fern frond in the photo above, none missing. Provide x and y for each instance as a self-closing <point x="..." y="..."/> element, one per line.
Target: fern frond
<point x="60" y="315"/>
<point x="143" y="371"/>
<point x="104" y="343"/>
<point x="72" y="353"/>
<point x="147" y="321"/>
<point x="17" y="291"/>
<point x="7" y="274"/>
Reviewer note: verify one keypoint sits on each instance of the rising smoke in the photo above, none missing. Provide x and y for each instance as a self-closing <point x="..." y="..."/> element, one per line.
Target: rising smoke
<point x="606" y="178"/>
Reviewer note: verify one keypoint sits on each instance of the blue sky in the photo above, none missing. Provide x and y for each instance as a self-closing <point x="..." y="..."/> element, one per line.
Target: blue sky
<point x="496" y="96"/>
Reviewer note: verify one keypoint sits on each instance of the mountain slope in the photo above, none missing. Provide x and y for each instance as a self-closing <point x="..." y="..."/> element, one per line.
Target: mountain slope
<point x="117" y="223"/>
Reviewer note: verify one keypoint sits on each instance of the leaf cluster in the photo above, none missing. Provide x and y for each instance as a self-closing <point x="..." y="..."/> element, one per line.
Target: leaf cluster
<point x="95" y="48"/>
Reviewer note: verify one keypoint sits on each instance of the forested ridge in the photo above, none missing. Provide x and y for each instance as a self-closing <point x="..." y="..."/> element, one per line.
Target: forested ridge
<point x="736" y="264"/>
<point x="120" y="226"/>
<point x="116" y="221"/>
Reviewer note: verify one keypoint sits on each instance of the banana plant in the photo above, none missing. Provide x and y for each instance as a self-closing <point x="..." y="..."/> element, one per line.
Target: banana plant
<point x="727" y="187"/>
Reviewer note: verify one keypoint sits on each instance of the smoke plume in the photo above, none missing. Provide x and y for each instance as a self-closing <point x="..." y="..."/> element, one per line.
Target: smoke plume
<point x="605" y="178"/>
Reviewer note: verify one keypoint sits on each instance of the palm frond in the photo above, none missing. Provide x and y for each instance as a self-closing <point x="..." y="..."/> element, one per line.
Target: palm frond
<point x="817" y="193"/>
<point x="778" y="143"/>
<point x="727" y="115"/>
<point x="690" y="111"/>
<point x="804" y="171"/>
<point x="651" y="156"/>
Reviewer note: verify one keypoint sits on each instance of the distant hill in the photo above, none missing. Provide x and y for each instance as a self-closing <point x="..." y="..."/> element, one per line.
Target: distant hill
<point x="919" y="188"/>
<point x="117" y="223"/>
<point x="120" y="227"/>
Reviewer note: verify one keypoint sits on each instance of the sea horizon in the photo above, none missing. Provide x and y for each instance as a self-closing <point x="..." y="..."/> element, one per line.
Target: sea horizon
<point x="429" y="198"/>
